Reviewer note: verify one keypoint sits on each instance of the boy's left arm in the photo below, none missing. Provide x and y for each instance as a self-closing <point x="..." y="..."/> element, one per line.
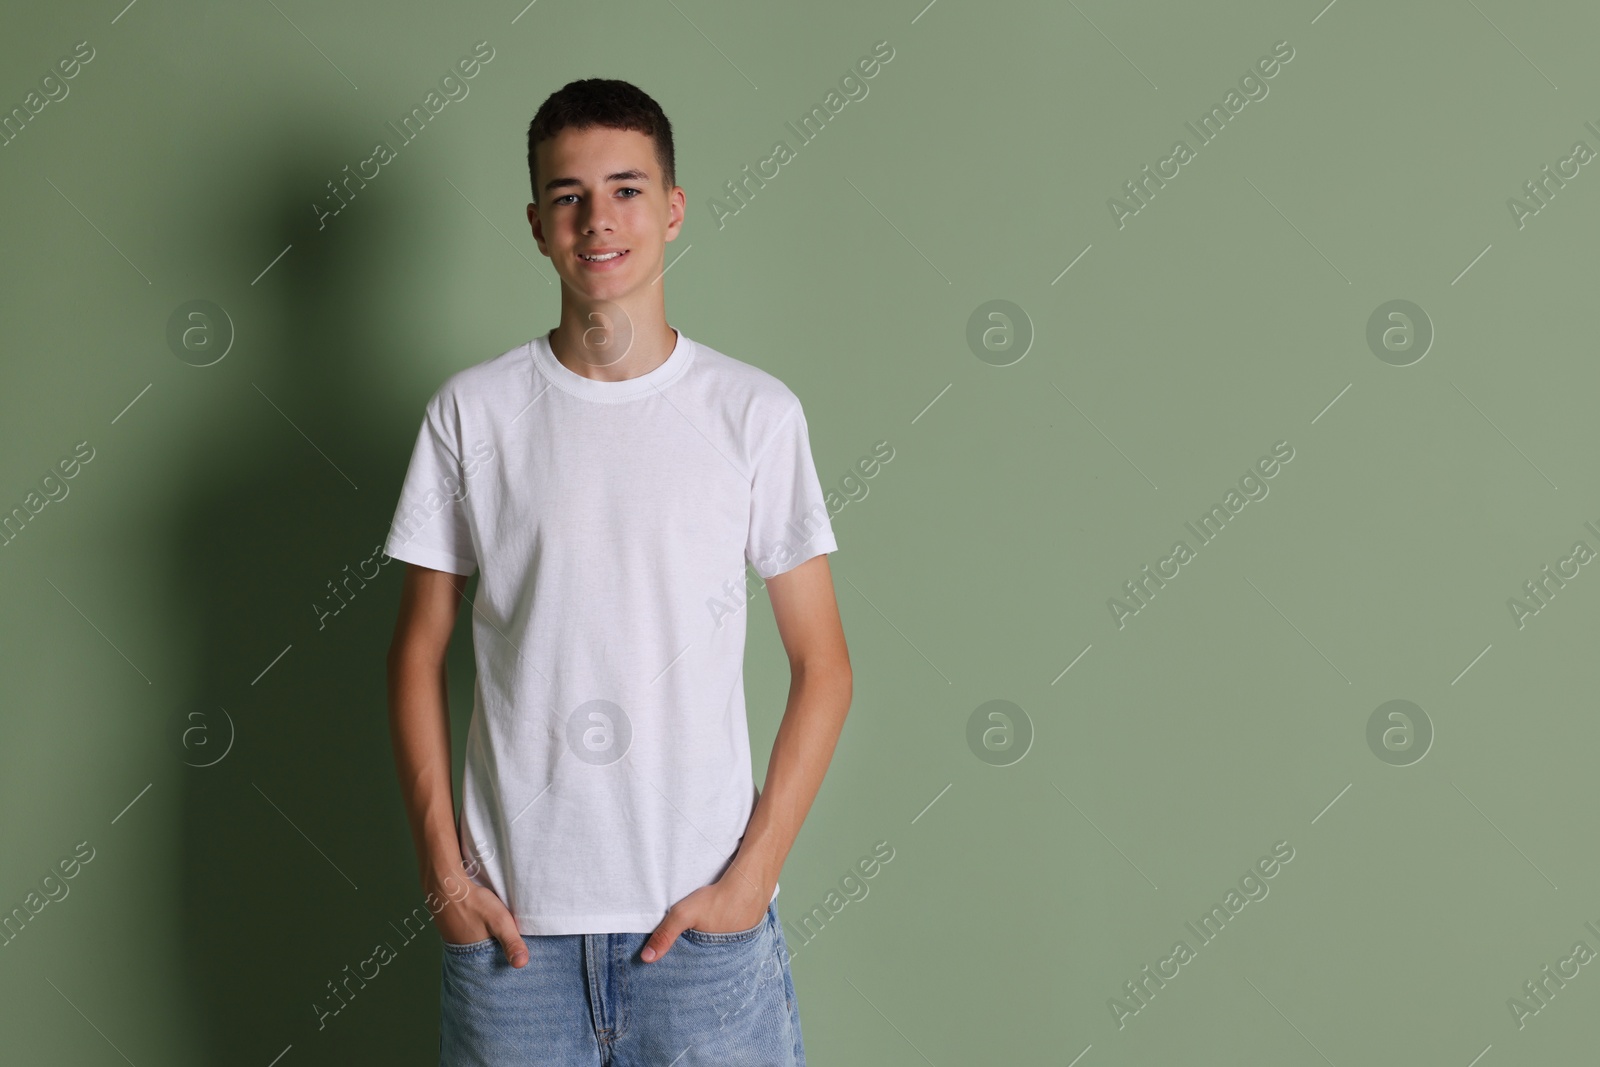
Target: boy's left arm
<point x="808" y="621"/>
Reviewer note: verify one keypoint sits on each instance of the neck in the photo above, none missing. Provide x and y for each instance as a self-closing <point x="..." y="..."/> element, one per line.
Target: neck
<point x="612" y="342"/>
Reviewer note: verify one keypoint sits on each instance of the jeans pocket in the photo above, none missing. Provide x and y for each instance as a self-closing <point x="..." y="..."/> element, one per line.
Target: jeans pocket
<point x="733" y="937"/>
<point x="468" y="949"/>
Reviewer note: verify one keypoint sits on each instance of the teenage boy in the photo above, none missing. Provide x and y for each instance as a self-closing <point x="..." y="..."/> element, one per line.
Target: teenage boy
<point x="609" y="481"/>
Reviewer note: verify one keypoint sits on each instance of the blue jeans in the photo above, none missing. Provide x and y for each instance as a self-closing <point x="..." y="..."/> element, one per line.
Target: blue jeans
<point x="588" y="1000"/>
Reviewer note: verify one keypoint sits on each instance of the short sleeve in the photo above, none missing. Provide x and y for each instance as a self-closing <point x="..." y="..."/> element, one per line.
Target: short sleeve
<point x="430" y="526"/>
<point x="789" y="520"/>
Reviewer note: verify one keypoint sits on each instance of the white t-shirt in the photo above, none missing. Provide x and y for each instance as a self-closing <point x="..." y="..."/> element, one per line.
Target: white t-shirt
<point x="608" y="768"/>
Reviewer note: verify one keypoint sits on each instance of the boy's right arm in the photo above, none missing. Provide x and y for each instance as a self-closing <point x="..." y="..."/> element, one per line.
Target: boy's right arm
<point x="419" y="726"/>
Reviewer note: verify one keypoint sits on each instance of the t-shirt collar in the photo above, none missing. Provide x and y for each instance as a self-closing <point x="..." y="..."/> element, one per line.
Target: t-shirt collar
<point x="569" y="381"/>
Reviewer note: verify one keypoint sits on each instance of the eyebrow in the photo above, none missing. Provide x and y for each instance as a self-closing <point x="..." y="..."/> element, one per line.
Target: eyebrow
<point x="638" y="176"/>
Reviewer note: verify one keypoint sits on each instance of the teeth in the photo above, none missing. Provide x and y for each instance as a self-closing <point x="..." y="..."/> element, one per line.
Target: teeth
<point x="600" y="259"/>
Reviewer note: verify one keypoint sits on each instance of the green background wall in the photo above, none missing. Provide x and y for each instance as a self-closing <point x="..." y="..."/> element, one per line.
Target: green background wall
<point x="1036" y="869"/>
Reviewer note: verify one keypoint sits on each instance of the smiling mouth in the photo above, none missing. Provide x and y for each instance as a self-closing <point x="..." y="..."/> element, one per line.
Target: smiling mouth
<point x="604" y="258"/>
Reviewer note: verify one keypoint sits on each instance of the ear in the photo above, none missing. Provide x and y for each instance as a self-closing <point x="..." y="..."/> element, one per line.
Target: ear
<point x="677" y="202"/>
<point x="537" y="226"/>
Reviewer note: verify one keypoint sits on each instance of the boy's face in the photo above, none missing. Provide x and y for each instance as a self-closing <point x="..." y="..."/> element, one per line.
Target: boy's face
<point x="601" y="190"/>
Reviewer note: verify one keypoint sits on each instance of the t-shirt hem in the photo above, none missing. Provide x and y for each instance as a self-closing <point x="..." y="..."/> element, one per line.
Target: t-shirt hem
<point x="620" y="923"/>
<point x="820" y="545"/>
<point x="623" y="923"/>
<point x="432" y="558"/>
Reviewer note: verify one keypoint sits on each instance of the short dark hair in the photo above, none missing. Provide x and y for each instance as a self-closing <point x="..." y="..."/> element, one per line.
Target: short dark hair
<point x="592" y="102"/>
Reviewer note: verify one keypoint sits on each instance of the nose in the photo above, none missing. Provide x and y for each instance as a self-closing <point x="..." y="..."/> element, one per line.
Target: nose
<point x="598" y="217"/>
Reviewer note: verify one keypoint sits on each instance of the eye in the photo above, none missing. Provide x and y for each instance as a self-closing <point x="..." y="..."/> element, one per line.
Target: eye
<point x="625" y="189"/>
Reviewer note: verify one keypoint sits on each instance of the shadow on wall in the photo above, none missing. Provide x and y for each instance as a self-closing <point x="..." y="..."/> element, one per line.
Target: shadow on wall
<point x="298" y="870"/>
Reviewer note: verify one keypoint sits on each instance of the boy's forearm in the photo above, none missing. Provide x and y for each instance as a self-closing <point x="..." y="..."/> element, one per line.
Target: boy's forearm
<point x="819" y="700"/>
<point x="419" y="727"/>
